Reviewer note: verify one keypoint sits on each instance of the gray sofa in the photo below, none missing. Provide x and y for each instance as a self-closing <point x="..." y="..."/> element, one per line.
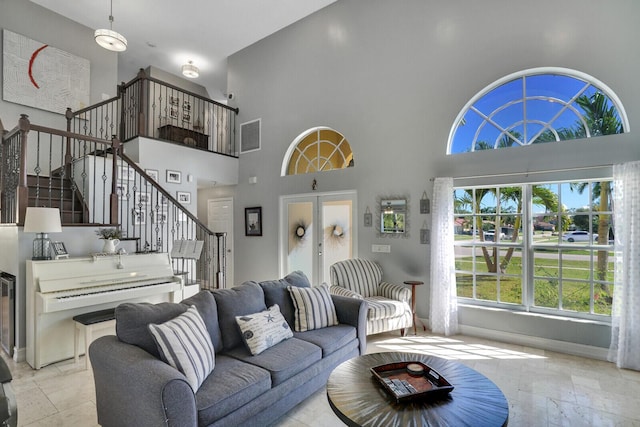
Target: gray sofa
<point x="134" y="387"/>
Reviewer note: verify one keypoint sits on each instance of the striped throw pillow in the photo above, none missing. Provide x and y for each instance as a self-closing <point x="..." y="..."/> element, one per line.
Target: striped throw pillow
<point x="313" y="307"/>
<point x="184" y="343"/>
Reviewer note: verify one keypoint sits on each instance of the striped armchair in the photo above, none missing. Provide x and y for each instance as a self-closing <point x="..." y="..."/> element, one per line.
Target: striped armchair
<point x="389" y="304"/>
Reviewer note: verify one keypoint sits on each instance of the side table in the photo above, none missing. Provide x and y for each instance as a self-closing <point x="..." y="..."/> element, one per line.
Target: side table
<point x="413" y="284"/>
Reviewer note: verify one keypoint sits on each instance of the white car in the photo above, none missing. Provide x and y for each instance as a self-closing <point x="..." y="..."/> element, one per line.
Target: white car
<point x="579" y="236"/>
<point x="490" y="236"/>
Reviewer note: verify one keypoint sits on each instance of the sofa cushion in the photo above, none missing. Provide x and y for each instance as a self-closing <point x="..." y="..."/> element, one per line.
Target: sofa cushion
<point x="383" y="308"/>
<point x="263" y="329"/>
<point x="132" y="320"/>
<point x="206" y="305"/>
<point x="184" y="343"/>
<point x="284" y="360"/>
<point x="275" y="292"/>
<point x="329" y="339"/>
<point x="246" y="298"/>
<point x="230" y="386"/>
<point x="314" y="308"/>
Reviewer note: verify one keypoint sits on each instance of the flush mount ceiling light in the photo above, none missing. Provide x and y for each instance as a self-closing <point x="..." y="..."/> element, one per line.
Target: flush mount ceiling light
<point x="190" y="70"/>
<point x="109" y="39"/>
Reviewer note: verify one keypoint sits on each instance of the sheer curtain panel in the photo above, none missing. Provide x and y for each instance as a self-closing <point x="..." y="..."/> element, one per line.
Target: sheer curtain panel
<point x="443" y="315"/>
<point x="625" y="316"/>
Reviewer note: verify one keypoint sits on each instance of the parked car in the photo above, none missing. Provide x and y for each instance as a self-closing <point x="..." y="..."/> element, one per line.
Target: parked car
<point x="579" y="236"/>
<point x="490" y="236"/>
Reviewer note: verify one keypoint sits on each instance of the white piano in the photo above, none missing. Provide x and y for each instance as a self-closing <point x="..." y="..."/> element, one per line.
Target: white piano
<point x="57" y="290"/>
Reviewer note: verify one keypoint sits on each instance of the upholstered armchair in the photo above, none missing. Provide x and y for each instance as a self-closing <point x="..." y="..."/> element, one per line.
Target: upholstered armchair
<point x="389" y="304"/>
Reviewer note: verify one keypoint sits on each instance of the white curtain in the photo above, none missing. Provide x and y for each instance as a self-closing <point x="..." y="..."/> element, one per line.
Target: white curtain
<point x="625" y="316"/>
<point x="443" y="315"/>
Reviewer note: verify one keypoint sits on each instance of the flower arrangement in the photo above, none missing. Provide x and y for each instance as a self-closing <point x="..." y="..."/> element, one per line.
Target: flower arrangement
<point x="109" y="233"/>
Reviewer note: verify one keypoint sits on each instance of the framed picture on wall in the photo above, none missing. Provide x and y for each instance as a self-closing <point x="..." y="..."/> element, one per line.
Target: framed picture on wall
<point x="253" y="221"/>
<point x="183" y="197"/>
<point x="153" y="174"/>
<point x="174" y="177"/>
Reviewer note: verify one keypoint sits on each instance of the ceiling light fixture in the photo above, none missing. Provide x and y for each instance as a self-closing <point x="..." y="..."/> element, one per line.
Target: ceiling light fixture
<point x="189" y="70"/>
<point x="109" y="39"/>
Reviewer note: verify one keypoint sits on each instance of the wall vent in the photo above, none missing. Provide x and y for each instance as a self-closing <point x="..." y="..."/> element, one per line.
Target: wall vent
<point x="250" y="136"/>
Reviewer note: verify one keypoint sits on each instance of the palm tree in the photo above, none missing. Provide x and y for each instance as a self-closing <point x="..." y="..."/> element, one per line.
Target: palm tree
<point x="602" y="119"/>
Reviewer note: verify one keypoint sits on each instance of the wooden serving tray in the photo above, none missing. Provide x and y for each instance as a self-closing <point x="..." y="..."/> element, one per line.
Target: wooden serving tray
<point x="402" y="385"/>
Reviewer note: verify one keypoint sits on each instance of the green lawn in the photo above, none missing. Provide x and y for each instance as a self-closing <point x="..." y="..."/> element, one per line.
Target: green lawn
<point x="575" y="294"/>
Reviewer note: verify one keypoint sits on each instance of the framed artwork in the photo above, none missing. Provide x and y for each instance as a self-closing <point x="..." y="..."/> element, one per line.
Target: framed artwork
<point x="138" y="217"/>
<point x="59" y="251"/>
<point x="253" y="221"/>
<point x="121" y="191"/>
<point x="174" y="100"/>
<point x="161" y="217"/>
<point x="126" y="173"/>
<point x="39" y="75"/>
<point x="184" y="197"/>
<point x="153" y="174"/>
<point x="143" y="198"/>
<point x="174" y="177"/>
<point x="173" y="112"/>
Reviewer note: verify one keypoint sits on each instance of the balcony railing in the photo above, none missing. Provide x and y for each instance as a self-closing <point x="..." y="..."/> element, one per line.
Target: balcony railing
<point x="147" y="107"/>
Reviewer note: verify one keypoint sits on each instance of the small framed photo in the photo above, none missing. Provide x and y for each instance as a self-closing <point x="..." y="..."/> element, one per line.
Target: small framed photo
<point x="153" y="174"/>
<point x="138" y="217"/>
<point x="174" y="177"/>
<point x="59" y="251"/>
<point x="173" y="112"/>
<point x="143" y="198"/>
<point x="184" y="197"/>
<point x="160" y="217"/>
<point x="126" y="173"/>
<point x="121" y="191"/>
<point x="253" y="221"/>
<point x="174" y="100"/>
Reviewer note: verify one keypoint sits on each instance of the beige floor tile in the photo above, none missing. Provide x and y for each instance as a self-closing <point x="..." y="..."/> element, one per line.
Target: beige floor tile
<point x="543" y="388"/>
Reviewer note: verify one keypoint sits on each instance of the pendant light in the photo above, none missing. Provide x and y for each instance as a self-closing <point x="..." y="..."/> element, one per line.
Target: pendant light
<point x="109" y="39"/>
<point x="189" y="70"/>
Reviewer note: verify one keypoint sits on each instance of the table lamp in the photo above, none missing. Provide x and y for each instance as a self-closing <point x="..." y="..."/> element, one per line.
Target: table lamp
<point x="42" y="221"/>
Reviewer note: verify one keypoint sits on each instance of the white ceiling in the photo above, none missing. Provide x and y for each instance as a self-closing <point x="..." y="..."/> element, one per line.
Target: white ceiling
<point x="168" y="33"/>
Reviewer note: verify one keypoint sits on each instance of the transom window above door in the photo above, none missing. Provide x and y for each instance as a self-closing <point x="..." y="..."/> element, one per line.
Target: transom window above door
<point x="537" y="106"/>
<point x="317" y="149"/>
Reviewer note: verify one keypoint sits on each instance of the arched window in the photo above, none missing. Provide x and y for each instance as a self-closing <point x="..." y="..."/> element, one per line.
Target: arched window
<point x="537" y="106"/>
<point x="317" y="149"/>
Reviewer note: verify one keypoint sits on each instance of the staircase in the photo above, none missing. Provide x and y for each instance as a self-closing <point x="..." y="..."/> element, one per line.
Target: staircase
<point x="57" y="192"/>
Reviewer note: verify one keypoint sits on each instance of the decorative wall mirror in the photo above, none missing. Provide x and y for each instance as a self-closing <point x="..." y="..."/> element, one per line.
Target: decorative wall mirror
<point x="393" y="216"/>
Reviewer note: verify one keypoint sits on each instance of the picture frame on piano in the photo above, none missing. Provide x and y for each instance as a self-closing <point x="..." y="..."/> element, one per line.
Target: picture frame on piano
<point x="59" y="250"/>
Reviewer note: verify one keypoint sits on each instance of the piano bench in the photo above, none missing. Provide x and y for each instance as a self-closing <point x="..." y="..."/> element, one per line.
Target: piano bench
<point x="88" y="323"/>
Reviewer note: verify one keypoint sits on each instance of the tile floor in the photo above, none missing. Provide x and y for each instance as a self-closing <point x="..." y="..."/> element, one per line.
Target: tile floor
<point x="543" y="388"/>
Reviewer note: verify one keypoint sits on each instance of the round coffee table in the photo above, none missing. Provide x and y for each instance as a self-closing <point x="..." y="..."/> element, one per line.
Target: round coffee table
<point x="359" y="400"/>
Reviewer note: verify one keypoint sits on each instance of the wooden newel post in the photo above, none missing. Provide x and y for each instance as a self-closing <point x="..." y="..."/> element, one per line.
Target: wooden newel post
<point x="142" y="103"/>
<point x="22" y="192"/>
<point x="113" y="199"/>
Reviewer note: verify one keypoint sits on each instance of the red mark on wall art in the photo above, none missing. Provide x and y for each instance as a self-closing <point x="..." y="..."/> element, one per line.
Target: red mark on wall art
<point x="31" y="61"/>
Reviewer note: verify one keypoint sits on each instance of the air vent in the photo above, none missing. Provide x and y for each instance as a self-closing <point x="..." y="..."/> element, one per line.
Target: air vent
<point x="250" y="136"/>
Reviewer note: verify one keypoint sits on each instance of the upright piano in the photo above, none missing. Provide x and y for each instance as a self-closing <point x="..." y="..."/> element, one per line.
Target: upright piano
<point x="59" y="289"/>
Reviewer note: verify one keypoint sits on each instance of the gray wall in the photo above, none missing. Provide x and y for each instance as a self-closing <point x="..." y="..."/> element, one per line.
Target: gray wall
<point x="392" y="77"/>
<point x="38" y="23"/>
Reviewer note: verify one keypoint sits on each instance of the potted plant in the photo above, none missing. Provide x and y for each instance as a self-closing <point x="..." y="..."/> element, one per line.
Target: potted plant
<point x="111" y="237"/>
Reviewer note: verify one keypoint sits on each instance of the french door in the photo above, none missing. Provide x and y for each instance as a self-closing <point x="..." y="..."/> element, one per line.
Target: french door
<point x="317" y="230"/>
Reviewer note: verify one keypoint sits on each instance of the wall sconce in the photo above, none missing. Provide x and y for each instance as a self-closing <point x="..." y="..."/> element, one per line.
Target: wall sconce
<point x="368" y="218"/>
<point x="42" y="221"/>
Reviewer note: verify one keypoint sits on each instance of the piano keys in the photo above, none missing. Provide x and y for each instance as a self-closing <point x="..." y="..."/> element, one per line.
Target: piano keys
<point x="57" y="290"/>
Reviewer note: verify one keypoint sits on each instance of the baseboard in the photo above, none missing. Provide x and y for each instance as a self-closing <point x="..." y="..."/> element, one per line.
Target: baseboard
<point x="575" y="349"/>
<point x="19" y="354"/>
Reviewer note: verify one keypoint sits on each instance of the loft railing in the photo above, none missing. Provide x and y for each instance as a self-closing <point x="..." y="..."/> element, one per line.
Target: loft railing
<point x="93" y="183"/>
<point x="147" y="107"/>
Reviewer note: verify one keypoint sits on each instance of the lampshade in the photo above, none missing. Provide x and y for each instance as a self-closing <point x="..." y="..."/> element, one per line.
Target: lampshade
<point x="109" y="39"/>
<point x="190" y="70"/>
<point x="42" y="220"/>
